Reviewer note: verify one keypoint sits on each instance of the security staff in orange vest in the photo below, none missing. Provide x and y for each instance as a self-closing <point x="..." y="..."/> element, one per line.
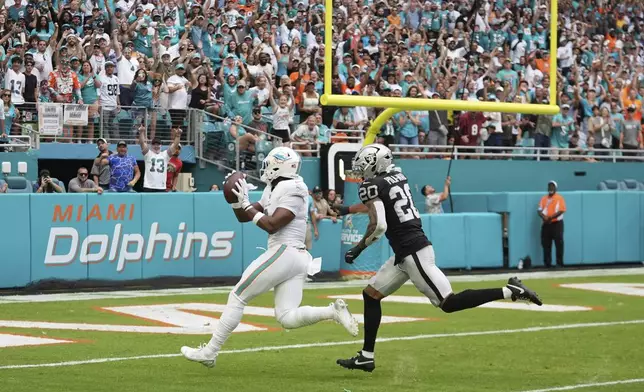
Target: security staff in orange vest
<point x="551" y="210"/>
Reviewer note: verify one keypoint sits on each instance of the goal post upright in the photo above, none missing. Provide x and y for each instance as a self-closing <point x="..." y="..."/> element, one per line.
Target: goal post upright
<point x="395" y="105"/>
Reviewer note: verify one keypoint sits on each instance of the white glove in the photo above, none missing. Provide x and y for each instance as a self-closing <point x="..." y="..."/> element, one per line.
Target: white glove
<point x="249" y="187"/>
<point x="241" y="191"/>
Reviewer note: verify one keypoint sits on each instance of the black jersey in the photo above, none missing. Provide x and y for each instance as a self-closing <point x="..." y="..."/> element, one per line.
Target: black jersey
<point x="404" y="229"/>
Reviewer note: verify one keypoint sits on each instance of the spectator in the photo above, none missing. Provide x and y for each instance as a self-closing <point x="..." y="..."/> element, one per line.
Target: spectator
<point x="214" y="188"/>
<point x="324" y="211"/>
<point x="156" y="161"/>
<point x="433" y="200"/>
<point x="124" y="172"/>
<point x="9" y="113"/>
<point x="631" y="137"/>
<point x="551" y="210"/>
<point x="109" y="96"/>
<point x="175" y="165"/>
<point x="45" y="184"/>
<point x="82" y="184"/>
<point x="101" y="173"/>
<point x="89" y="84"/>
<point x="562" y="128"/>
<point x="282" y="115"/>
<point x="305" y="136"/>
<point x="178" y="87"/>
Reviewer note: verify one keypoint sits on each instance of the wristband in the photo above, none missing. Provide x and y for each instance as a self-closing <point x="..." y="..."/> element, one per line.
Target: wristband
<point x="247" y="206"/>
<point x="257" y="217"/>
<point x="344" y="210"/>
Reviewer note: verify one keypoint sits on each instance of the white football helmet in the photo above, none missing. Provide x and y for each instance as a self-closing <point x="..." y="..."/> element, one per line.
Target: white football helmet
<point x="372" y="160"/>
<point x="280" y="162"/>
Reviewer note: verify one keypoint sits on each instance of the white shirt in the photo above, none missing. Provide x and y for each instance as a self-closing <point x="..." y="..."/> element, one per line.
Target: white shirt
<point x="281" y="118"/>
<point x="43" y="63"/>
<point x="16" y="83"/>
<point x="109" y="91"/>
<point x="126" y="69"/>
<point x="292" y="195"/>
<point x="262" y="94"/>
<point x="97" y="63"/>
<point x="156" y="169"/>
<point x="564" y="54"/>
<point x="179" y="98"/>
<point x="433" y="204"/>
<point x="518" y="51"/>
<point x="173" y="50"/>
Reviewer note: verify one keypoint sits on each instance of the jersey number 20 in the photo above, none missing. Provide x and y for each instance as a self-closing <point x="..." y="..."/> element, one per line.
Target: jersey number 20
<point x="403" y="203"/>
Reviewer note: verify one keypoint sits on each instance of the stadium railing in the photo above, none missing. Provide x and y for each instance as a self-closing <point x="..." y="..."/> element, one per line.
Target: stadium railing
<point x="217" y="145"/>
<point x="529" y="153"/>
<point x="18" y="143"/>
<point x="335" y="135"/>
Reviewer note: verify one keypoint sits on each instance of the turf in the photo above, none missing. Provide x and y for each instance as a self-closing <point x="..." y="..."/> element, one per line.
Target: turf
<point x="516" y="361"/>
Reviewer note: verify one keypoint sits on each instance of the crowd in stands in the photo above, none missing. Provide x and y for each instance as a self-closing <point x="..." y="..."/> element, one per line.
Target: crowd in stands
<point x="240" y="59"/>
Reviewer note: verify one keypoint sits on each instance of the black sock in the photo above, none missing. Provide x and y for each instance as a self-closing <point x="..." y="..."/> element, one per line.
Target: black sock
<point x="372" y="316"/>
<point x="469" y="299"/>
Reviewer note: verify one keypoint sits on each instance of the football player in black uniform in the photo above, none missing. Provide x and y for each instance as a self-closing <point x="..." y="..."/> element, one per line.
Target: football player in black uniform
<point x="387" y="198"/>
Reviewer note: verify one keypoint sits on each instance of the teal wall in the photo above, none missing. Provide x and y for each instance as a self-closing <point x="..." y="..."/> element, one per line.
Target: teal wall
<point x="14" y="157"/>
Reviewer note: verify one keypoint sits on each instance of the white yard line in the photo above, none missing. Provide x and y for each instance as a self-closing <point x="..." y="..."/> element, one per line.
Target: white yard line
<point x="313" y="286"/>
<point x="342" y="343"/>
<point x="589" y="385"/>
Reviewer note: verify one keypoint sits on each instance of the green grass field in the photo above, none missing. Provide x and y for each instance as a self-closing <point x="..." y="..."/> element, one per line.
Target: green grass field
<point x="484" y="349"/>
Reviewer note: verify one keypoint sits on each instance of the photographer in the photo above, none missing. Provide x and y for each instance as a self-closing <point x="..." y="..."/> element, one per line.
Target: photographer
<point x="46" y="185"/>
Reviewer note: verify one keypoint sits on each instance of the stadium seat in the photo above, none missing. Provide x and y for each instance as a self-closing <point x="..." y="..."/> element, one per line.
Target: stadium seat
<point x="18" y="185"/>
<point x="631" y="185"/>
<point x="608" y="185"/>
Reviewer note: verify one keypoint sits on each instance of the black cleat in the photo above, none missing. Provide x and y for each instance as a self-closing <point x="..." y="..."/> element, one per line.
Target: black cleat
<point x="521" y="292"/>
<point x="358" y="362"/>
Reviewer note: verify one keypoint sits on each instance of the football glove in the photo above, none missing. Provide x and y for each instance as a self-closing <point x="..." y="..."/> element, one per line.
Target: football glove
<point x="241" y="191"/>
<point x="352" y="254"/>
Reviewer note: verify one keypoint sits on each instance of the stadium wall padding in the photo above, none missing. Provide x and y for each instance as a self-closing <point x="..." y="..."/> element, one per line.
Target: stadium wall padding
<point x="138" y="236"/>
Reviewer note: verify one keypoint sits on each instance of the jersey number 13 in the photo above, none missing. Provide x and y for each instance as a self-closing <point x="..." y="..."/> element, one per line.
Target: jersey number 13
<point x="403" y="203"/>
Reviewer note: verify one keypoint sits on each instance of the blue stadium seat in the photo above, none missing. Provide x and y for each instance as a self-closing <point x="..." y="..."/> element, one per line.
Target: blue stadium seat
<point x="608" y="185"/>
<point x="631" y="185"/>
<point x="18" y="184"/>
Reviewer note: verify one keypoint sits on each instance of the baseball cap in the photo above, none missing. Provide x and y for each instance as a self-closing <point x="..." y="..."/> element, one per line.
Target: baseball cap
<point x="180" y="66"/>
<point x="553" y="183"/>
<point x="121" y="143"/>
<point x="632" y="108"/>
<point x="565" y="106"/>
<point x="317" y="189"/>
<point x="100" y="139"/>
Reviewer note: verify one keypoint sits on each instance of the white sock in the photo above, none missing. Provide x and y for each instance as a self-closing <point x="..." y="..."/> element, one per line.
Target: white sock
<point x="305" y="315"/>
<point x="229" y="320"/>
<point x="367" y="354"/>
<point x="507" y="293"/>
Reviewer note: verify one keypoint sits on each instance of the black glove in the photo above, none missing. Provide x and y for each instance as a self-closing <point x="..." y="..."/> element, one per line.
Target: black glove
<point x="342" y="210"/>
<point x="352" y="254"/>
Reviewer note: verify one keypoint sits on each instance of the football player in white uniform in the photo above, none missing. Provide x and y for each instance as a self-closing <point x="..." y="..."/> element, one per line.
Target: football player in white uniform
<point x="156" y="161"/>
<point x="281" y="212"/>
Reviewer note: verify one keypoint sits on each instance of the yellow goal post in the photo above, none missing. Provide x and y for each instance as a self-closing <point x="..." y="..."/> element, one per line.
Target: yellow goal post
<point x="395" y="105"/>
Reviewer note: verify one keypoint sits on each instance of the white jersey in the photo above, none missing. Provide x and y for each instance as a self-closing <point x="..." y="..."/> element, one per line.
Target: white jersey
<point x="292" y="195"/>
<point x="15" y="82"/>
<point x="156" y="169"/>
<point x="109" y="90"/>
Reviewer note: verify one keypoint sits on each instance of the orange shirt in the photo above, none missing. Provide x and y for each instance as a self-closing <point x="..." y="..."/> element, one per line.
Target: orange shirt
<point x="627" y="101"/>
<point x="550" y="205"/>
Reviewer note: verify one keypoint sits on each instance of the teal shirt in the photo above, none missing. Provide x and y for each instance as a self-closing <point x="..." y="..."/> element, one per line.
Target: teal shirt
<point x="408" y="130"/>
<point x="143" y="94"/>
<point x="88" y="92"/>
<point x="509" y="76"/>
<point x="143" y="44"/>
<point x="561" y="135"/>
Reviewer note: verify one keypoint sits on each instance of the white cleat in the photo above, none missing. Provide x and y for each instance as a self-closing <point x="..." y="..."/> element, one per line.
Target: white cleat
<point x="344" y="317"/>
<point x="199" y="355"/>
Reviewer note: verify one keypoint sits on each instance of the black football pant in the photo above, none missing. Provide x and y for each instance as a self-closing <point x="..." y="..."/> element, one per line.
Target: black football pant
<point x="552" y="232"/>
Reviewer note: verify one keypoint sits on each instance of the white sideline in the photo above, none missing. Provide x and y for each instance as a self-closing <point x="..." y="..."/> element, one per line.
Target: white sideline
<point x="331" y="344"/>
<point x="84" y="296"/>
<point x="596" y="384"/>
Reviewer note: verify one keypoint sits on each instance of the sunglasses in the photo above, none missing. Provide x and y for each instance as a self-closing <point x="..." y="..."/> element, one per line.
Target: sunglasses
<point x="82" y="174"/>
<point x="6" y="95"/>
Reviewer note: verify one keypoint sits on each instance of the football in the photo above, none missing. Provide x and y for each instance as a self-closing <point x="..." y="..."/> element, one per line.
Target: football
<point x="229" y="185"/>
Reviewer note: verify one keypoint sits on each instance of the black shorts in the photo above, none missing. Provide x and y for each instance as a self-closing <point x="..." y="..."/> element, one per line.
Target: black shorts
<point x="150" y="190"/>
<point x="283" y="133"/>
